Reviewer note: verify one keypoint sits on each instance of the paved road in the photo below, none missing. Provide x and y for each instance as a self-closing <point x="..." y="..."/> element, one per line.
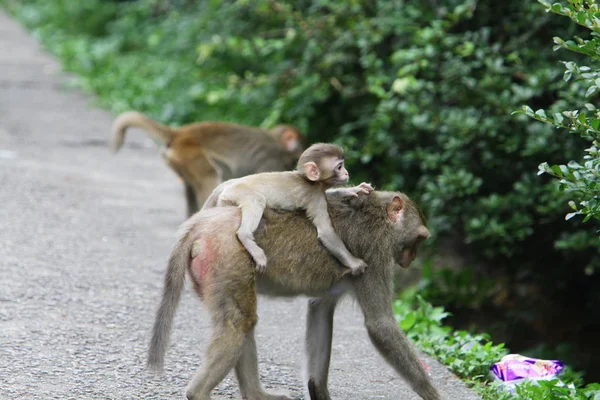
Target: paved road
<point x="84" y="239"/>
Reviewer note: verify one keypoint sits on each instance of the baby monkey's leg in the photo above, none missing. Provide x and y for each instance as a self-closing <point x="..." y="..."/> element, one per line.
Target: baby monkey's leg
<point x="252" y="204"/>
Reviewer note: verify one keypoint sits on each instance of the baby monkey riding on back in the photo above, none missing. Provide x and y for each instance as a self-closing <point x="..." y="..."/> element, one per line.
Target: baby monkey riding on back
<point x="320" y="167"/>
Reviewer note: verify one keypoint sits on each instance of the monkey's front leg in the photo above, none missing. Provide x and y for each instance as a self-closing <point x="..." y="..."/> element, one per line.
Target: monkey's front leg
<point x="319" y="328"/>
<point x="375" y="299"/>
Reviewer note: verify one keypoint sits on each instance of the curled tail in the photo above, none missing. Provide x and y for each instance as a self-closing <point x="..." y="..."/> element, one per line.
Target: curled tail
<point x="158" y="131"/>
<point x="173" y="286"/>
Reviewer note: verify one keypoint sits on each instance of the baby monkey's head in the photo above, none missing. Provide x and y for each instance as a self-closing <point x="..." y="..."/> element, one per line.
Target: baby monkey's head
<point x="324" y="163"/>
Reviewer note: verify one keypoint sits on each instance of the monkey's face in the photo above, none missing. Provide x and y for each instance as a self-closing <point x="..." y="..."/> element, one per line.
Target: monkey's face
<point x="410" y="230"/>
<point x="336" y="172"/>
<point x="412" y="235"/>
<point x="409" y="253"/>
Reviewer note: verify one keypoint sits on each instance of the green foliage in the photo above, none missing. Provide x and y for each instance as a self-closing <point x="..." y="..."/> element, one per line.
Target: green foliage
<point x="470" y="356"/>
<point x="556" y="390"/>
<point x="137" y="55"/>
<point x="580" y="179"/>
<point x="463" y="288"/>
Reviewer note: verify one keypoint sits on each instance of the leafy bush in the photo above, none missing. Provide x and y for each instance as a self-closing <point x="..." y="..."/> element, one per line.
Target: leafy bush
<point x="136" y="55"/>
<point x="457" y="288"/>
<point x="554" y="390"/>
<point x="580" y="179"/>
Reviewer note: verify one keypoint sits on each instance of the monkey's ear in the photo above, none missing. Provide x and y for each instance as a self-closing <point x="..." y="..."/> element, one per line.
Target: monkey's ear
<point x="311" y="170"/>
<point x="290" y="140"/>
<point x="394" y="209"/>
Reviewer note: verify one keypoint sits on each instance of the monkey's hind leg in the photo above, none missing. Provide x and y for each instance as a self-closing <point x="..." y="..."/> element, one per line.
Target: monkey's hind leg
<point x="190" y="199"/>
<point x="246" y="372"/>
<point x="252" y="204"/>
<point x="223" y="351"/>
<point x="233" y="319"/>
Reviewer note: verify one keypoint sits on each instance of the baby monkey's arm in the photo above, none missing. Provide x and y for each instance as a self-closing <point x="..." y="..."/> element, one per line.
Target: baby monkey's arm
<point x="354" y="191"/>
<point x="317" y="212"/>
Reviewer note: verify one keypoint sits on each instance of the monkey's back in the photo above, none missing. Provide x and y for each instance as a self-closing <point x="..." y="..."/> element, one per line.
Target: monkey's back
<point x="284" y="190"/>
<point x="236" y="150"/>
<point x="290" y="243"/>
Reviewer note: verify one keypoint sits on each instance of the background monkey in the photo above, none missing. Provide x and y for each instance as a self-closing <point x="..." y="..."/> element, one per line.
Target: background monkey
<point x="320" y="167"/>
<point x="205" y="154"/>
<point x="224" y="277"/>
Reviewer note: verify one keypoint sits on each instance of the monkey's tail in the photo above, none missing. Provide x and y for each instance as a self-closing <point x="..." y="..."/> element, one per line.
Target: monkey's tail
<point x="158" y="131"/>
<point x="174" y="282"/>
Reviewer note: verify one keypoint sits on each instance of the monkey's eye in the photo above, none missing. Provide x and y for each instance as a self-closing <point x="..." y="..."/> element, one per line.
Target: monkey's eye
<point x="340" y="166"/>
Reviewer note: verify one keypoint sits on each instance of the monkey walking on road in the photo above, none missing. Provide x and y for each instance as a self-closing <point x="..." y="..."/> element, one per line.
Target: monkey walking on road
<point x="320" y="167"/>
<point x="205" y="154"/>
<point x="224" y="277"/>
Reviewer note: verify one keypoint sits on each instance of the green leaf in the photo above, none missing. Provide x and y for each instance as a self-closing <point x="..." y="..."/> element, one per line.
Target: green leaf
<point x="556" y="170"/>
<point x="570" y="215"/>
<point x="528" y="111"/>
<point x="558" y="118"/>
<point x="557" y="8"/>
<point x="408" y="322"/>
<point x="567" y="76"/>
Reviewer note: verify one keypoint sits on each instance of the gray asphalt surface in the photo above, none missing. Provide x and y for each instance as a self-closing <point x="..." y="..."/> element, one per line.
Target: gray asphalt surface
<point x="84" y="241"/>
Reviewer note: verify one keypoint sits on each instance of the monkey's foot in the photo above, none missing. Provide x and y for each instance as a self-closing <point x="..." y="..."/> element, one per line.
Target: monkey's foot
<point x="278" y="396"/>
<point x="260" y="259"/>
<point x="262" y="395"/>
<point x="358" y="267"/>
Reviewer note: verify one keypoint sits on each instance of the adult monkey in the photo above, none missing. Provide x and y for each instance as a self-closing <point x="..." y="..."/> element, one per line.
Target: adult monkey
<point x="204" y="154"/>
<point x="224" y="277"/>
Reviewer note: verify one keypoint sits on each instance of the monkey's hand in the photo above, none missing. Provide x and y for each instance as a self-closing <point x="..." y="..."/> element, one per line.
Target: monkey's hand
<point x="363" y="188"/>
<point x="357" y="266"/>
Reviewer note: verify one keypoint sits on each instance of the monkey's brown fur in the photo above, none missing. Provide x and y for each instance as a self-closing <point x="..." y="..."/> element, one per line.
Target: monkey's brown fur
<point x="383" y="228"/>
<point x="205" y="154"/>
